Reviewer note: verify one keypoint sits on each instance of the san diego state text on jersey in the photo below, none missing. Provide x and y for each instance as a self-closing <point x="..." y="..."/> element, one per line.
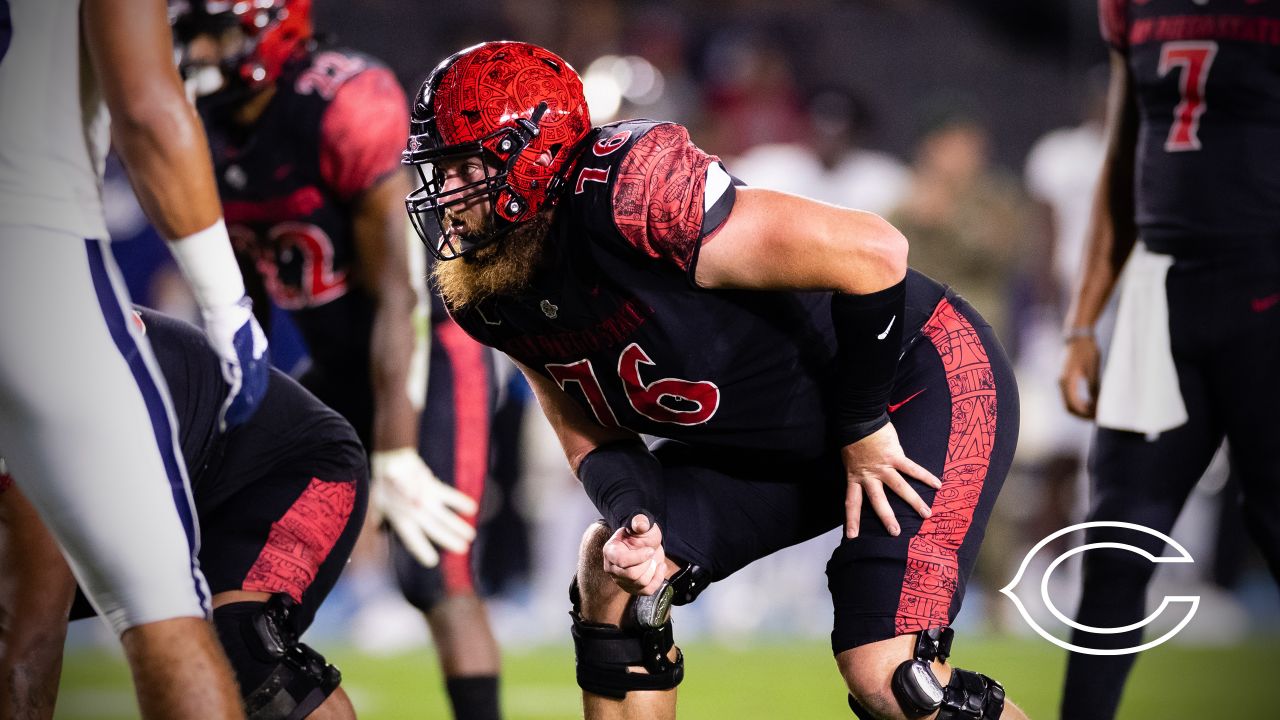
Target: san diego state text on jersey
<point x="617" y="322"/>
<point x="1206" y="77"/>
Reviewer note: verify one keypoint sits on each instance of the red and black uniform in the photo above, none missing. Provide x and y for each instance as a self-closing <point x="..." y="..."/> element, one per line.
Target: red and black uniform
<point x="290" y="184"/>
<point x="1206" y="81"/>
<point x="280" y="499"/>
<point x="738" y="384"/>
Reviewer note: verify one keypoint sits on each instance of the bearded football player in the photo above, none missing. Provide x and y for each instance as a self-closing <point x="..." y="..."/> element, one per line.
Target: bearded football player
<point x="795" y="374"/>
<point x="306" y="140"/>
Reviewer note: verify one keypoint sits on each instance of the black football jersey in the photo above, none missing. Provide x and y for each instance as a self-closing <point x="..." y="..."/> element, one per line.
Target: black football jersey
<point x="1206" y="76"/>
<point x="615" y="319"/>
<point x="289" y="185"/>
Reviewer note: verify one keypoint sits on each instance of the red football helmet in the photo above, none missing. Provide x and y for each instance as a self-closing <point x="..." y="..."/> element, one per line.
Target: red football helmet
<point x="274" y="31"/>
<point x="508" y="102"/>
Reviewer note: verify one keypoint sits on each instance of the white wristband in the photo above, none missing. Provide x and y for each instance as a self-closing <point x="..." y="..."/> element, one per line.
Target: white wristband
<point x="209" y="264"/>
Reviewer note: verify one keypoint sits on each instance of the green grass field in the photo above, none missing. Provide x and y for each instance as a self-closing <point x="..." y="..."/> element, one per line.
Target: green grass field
<point x="783" y="680"/>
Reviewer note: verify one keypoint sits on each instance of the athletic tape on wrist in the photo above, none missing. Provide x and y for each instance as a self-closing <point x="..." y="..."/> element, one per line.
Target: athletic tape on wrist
<point x="210" y="266"/>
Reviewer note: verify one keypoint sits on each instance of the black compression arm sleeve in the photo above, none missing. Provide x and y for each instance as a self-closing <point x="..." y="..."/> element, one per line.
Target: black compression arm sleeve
<point x="624" y="479"/>
<point x="869" y="340"/>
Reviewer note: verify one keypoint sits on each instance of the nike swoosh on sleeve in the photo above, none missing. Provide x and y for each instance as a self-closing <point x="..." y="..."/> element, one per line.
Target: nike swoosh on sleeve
<point x="893" y="407"/>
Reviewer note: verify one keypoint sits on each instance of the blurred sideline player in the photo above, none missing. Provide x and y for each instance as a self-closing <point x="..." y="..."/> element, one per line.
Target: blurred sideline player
<point x="306" y="141"/>
<point x="641" y="292"/>
<point x="1189" y="206"/>
<point x="280" y="501"/>
<point x="87" y="424"/>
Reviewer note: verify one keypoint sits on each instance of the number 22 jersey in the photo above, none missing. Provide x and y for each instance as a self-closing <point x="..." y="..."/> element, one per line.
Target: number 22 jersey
<point x="290" y="184"/>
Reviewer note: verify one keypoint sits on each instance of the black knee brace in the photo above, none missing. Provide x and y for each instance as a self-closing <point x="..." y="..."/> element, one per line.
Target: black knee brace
<point x="605" y="652"/>
<point x="967" y="696"/>
<point x="280" y="678"/>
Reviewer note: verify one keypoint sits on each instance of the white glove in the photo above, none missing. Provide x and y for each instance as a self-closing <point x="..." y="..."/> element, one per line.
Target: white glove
<point x="235" y="335"/>
<point x="420" y="509"/>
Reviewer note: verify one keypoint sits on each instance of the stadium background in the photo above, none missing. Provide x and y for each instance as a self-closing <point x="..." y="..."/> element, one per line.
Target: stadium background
<point x="969" y="120"/>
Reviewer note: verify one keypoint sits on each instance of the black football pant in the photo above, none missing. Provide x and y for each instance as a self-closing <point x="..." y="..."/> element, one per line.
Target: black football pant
<point x="1224" y="322"/>
<point x="954" y="406"/>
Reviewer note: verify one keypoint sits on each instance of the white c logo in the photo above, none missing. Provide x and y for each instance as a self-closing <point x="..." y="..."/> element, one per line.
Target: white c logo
<point x="1182" y="557"/>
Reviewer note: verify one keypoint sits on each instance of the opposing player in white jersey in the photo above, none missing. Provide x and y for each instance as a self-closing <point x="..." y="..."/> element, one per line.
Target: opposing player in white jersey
<point x="85" y="418"/>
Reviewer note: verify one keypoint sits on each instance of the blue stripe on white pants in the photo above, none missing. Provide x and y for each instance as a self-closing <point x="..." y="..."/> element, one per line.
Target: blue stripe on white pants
<point x="88" y="431"/>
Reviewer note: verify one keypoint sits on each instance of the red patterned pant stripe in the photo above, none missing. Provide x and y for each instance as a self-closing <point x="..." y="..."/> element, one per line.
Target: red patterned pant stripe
<point x="300" y="541"/>
<point x="471" y="437"/>
<point x="932" y="574"/>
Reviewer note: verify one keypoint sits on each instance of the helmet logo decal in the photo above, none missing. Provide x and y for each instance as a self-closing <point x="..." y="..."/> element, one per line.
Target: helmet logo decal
<point x="518" y="107"/>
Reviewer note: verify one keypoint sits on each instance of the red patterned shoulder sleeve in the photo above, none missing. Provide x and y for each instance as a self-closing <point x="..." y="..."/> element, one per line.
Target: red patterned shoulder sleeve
<point x="363" y="132"/>
<point x="1113" y="21"/>
<point x="658" y="194"/>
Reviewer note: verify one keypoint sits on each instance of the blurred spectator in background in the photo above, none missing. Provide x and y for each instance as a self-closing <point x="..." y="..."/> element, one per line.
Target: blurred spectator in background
<point x="828" y="164"/>
<point x="751" y="96"/>
<point x="970" y="222"/>
<point x="967" y="220"/>
<point x="1061" y="172"/>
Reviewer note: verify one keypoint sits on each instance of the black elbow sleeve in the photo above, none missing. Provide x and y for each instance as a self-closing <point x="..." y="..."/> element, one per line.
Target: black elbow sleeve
<point x="868" y="332"/>
<point x="624" y="479"/>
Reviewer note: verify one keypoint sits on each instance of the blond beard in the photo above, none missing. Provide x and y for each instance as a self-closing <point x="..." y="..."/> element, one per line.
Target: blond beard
<point x="501" y="268"/>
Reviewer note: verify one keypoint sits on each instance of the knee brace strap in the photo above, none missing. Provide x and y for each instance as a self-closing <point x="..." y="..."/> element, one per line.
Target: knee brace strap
<point x="971" y="696"/>
<point x="967" y="696"/>
<point x="280" y="678"/>
<point x="858" y="711"/>
<point x="603" y="654"/>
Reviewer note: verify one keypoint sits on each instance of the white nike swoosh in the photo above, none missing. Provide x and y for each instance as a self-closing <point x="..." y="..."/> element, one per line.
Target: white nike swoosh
<point x="885" y="334"/>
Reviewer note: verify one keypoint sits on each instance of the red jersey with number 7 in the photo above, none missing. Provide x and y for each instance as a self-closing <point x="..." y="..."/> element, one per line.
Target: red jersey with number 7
<point x="1206" y="78"/>
<point x="615" y="319"/>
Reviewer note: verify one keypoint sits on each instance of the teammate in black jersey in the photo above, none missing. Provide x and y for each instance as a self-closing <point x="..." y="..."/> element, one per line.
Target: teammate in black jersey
<point x="306" y="141"/>
<point x="766" y="339"/>
<point x="279" y="502"/>
<point x="1190" y="201"/>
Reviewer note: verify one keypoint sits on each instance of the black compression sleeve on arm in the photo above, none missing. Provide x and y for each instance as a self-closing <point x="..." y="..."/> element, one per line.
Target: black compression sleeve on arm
<point x="624" y="479"/>
<point x="869" y="341"/>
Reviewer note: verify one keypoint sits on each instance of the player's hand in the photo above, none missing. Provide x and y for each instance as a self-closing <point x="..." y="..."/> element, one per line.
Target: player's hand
<point x="241" y="345"/>
<point x="1078" y="380"/>
<point x="872" y="464"/>
<point x="423" y="511"/>
<point x="634" y="557"/>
